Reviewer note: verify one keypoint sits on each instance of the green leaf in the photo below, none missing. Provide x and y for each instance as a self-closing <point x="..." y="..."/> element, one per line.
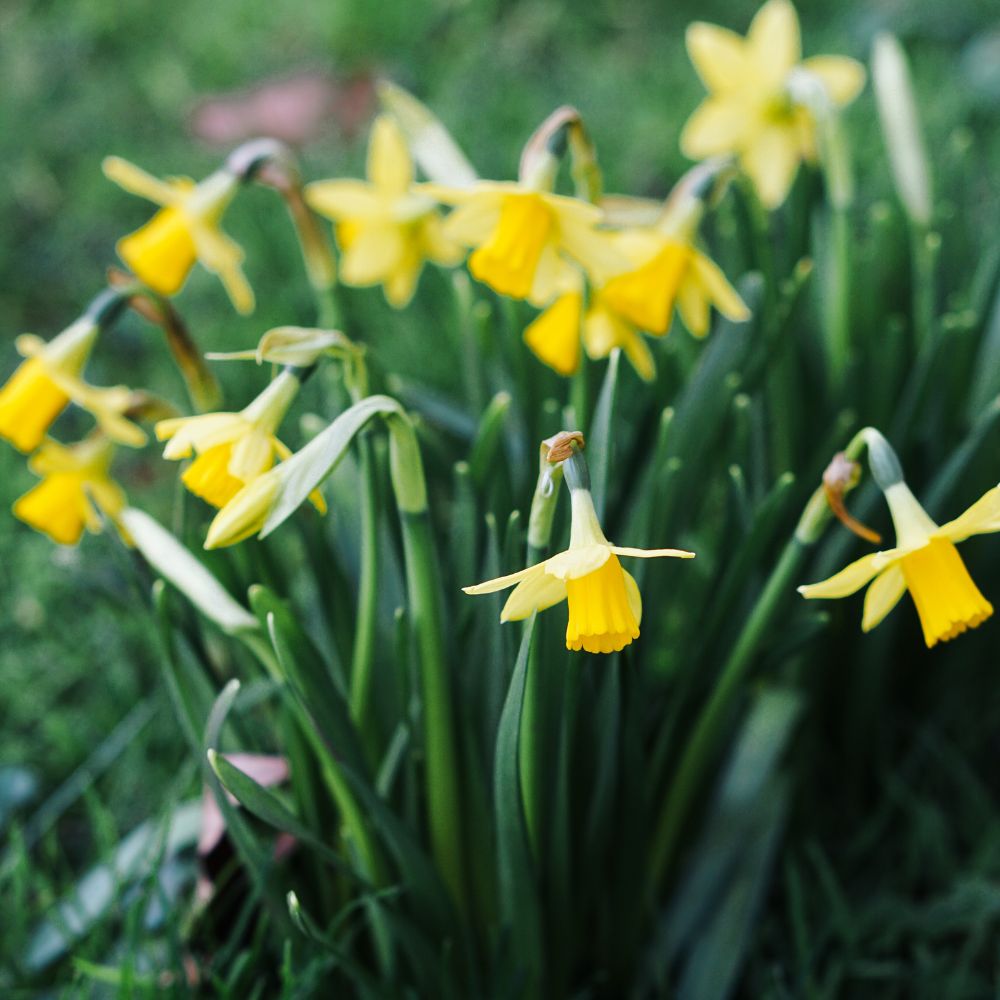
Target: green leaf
<point x="175" y="563"/>
<point x="483" y="456"/>
<point x="519" y="902"/>
<point x="601" y="439"/>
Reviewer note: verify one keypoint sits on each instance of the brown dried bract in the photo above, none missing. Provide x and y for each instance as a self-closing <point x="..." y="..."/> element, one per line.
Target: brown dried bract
<point x="842" y="475"/>
<point x="560" y="446"/>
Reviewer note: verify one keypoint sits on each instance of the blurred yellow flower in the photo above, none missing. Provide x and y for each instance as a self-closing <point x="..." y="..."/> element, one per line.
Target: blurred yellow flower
<point x="76" y="488"/>
<point x="49" y="379"/>
<point x="751" y="111"/>
<point x="522" y="236"/>
<point x="605" y="608"/>
<point x="926" y="563"/>
<point x="185" y="230"/>
<point x="232" y="449"/>
<point x="386" y="229"/>
<point x="244" y="515"/>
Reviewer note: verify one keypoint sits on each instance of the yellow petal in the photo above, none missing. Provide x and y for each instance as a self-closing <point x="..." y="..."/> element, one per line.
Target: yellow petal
<point x="503" y="582"/>
<point x="692" y="303"/>
<point x="473" y="222"/>
<point x="981" y="518"/>
<point x="773" y="41"/>
<point x="56" y="507"/>
<point x="718" y="125"/>
<point x="634" y="596"/>
<point x="162" y="252"/>
<point x="853" y="577"/>
<point x="622" y="550"/>
<point x="200" y="432"/>
<point x="402" y="283"/>
<point x="135" y="180"/>
<point x="882" y="596"/>
<point x="843" y="78"/>
<point x="602" y="615"/>
<point x="718" y="55"/>
<point x="723" y="296"/>
<point x="645" y="296"/>
<point x="604" y="330"/>
<point x="29" y="404"/>
<point x="554" y="336"/>
<point x="346" y="199"/>
<point x="208" y="476"/>
<point x="594" y="249"/>
<point x="577" y="562"/>
<point x="252" y="455"/>
<point x="535" y="593"/>
<point x="771" y="162"/>
<point x="245" y="514"/>
<point x="374" y="253"/>
<point x="390" y="166"/>
<point x="508" y="259"/>
<point x="436" y="245"/>
<point x="223" y="256"/>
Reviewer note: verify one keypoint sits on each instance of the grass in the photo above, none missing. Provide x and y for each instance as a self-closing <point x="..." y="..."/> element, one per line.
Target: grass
<point x="888" y="881"/>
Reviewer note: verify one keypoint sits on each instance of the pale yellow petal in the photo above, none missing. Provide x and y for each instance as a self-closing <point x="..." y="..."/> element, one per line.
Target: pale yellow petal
<point x="223" y="256"/>
<point x="253" y="454"/>
<point x="842" y="77"/>
<point x="853" y="577"/>
<point x="554" y="276"/>
<point x="536" y="593"/>
<point x="718" y="125"/>
<point x="135" y="180"/>
<point x="594" y="249"/>
<point x="390" y="166"/>
<point x="692" y="303"/>
<point x="773" y="42"/>
<point x="771" y="162"/>
<point x="200" y="433"/>
<point x="574" y="563"/>
<point x="639" y="355"/>
<point x="622" y="550"/>
<point x="402" y="283"/>
<point x="718" y="54"/>
<point x="373" y="254"/>
<point x="345" y="199"/>
<point x="723" y="296"/>
<point x="472" y="223"/>
<point x="882" y="596"/>
<point x="981" y="518"/>
<point x="503" y="582"/>
<point x="633" y="595"/>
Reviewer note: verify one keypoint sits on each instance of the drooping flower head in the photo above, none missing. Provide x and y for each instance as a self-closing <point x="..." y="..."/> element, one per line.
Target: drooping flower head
<point x="924" y="561"/>
<point x="49" y="379"/>
<point x="76" y="488"/>
<point x="605" y="607"/>
<point x="233" y="449"/>
<point x="751" y="110"/>
<point x="385" y="227"/>
<point x="184" y="231"/>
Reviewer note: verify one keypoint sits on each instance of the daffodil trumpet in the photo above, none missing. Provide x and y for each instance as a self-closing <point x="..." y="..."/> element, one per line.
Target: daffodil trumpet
<point x="75" y="491"/>
<point x="605" y="607"/>
<point x="924" y="562"/>
<point x="185" y="230"/>
<point x="233" y="450"/>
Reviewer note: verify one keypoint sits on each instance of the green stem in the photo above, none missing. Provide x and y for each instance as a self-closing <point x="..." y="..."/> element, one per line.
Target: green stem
<point x="839" y="291"/>
<point x="363" y="659"/>
<point x="923" y="247"/>
<point x="702" y="747"/>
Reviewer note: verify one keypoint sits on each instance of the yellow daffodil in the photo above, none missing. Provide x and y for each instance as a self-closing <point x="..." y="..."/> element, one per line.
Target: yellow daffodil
<point x="232" y="449"/>
<point x="666" y="271"/>
<point x="186" y="229"/>
<point x="605" y="608"/>
<point x="521" y="236"/>
<point x="926" y="563"/>
<point x="386" y="229"/>
<point x="75" y="490"/>
<point x="244" y="515"/>
<point x="751" y="110"/>
<point x="49" y="379"/>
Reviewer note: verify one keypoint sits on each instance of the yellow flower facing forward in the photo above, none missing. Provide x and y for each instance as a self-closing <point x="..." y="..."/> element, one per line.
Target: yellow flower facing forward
<point x="522" y="236"/>
<point x="385" y="228"/>
<point x="605" y="608"/>
<point x="76" y="488"/>
<point x="924" y="562"/>
<point x="232" y="449"/>
<point x="49" y="379"/>
<point x="186" y="229"/>
<point x="750" y="111"/>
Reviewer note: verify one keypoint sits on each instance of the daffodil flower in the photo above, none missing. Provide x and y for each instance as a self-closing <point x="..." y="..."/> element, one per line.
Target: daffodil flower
<point x="49" y="379"/>
<point x="386" y="229"/>
<point x="76" y="488"/>
<point x="605" y="607"/>
<point x="233" y="449"/>
<point x="751" y="111"/>
<point x="186" y="229"/>
<point x="924" y="562"/>
<point x="521" y="236"/>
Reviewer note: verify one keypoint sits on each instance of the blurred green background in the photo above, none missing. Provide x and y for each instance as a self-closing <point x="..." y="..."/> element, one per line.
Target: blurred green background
<point x="82" y="80"/>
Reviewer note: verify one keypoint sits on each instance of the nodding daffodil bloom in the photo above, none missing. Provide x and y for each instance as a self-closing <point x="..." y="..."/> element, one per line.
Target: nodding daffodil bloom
<point x="605" y="608"/>
<point x="926" y="563"/>
<point x="49" y="379"/>
<point x="233" y="449"/>
<point x="244" y="515"/>
<point x="185" y="229"/>
<point x="522" y="236"/>
<point x="750" y="110"/>
<point x="386" y="229"/>
<point x="75" y="489"/>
